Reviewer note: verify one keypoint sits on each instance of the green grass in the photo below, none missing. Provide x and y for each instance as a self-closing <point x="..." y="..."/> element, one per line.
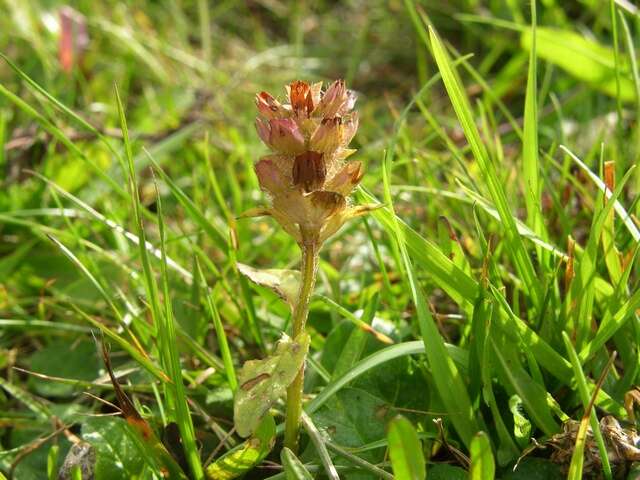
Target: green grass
<point x="474" y="313"/>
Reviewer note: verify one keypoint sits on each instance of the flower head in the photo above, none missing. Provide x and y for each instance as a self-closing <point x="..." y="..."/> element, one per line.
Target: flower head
<point x="307" y="175"/>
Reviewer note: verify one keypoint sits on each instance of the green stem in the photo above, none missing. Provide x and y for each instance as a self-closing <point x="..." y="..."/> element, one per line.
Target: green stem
<point x="294" y="392"/>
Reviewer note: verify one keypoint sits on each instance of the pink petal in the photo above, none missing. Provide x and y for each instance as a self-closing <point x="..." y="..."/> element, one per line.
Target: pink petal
<point x="270" y="178"/>
<point x="286" y="136"/>
<point x="264" y="131"/>
<point x="332" y="100"/>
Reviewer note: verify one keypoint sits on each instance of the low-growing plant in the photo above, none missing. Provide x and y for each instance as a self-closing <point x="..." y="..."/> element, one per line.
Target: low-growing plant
<point x="308" y="180"/>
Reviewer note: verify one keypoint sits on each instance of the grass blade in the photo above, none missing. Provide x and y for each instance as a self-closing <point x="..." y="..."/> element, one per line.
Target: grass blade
<point x="583" y="389"/>
<point x="293" y="467"/>
<point x="448" y="382"/>
<point x="218" y="238"/>
<point x="482" y="464"/>
<point x="577" y="459"/>
<point x="321" y="449"/>
<point x="530" y="159"/>
<point x="618" y="207"/>
<point x="405" y="450"/>
<point x="221" y="335"/>
<point x="163" y="317"/>
<point x="533" y="394"/>
<point x="363" y="366"/>
<point x="464" y="113"/>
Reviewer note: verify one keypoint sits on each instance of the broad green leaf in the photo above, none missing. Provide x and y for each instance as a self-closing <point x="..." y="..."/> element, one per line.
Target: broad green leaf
<point x="319" y="442"/>
<point x="285" y="283"/>
<point x="117" y="455"/>
<point x="247" y="455"/>
<point x="581" y="57"/>
<point x="262" y="382"/>
<point x="405" y="450"/>
<point x="400" y="384"/>
<point x="59" y="359"/>
<point x="355" y="417"/>
<point x="335" y="342"/>
<point x="19" y="440"/>
<point x="482" y="464"/>
<point x="293" y="467"/>
<point x="40" y="409"/>
<point x="373" y="361"/>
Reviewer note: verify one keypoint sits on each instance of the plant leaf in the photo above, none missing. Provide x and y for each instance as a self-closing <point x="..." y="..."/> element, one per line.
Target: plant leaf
<point x="285" y="283"/>
<point x="109" y="451"/>
<point x="293" y="467"/>
<point x="482" y="464"/>
<point x="577" y="458"/>
<point x="462" y="107"/>
<point x="521" y="424"/>
<point x="153" y="450"/>
<point x="262" y="382"/>
<point x="583" y="58"/>
<point x="247" y="455"/>
<point x="533" y="394"/>
<point x="405" y="450"/>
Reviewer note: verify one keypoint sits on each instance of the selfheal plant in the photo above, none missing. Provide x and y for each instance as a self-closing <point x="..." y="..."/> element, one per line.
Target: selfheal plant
<point x="308" y="180"/>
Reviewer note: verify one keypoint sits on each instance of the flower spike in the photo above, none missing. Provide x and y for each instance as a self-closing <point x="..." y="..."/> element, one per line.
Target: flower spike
<point x="307" y="175"/>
